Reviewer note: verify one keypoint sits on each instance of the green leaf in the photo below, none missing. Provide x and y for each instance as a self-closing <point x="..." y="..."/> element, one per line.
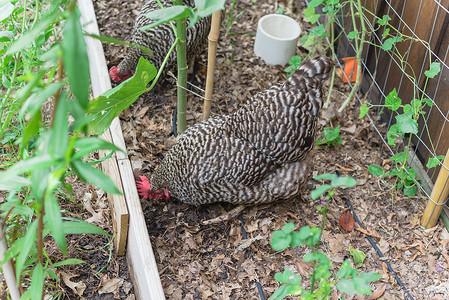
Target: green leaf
<point x="329" y="136"/>
<point x="407" y="108"/>
<point x="109" y="105"/>
<point x="375" y="170"/>
<point x="95" y="176"/>
<point x="344" y="181"/>
<point x="434" y="69"/>
<point x="319" y="31"/>
<point x="309" y="236"/>
<point x="31" y="129"/>
<point x="392" y="101"/>
<point x="357" y="255"/>
<point x="280" y="293"/>
<point x="320" y="190"/>
<point x="87" y="145"/>
<point x="287" y="228"/>
<point x="346" y="286"/>
<point x="26" y="165"/>
<point x="370" y="276"/>
<point x="54" y="222"/>
<point x="434" y="161"/>
<point x="37" y="282"/>
<point x="287" y="277"/>
<point x="6" y="10"/>
<point x="296" y="239"/>
<point x="346" y="271"/>
<point x="294" y="63"/>
<point x="75" y="58"/>
<point x="310" y="15"/>
<point x="399" y="157"/>
<point x="385" y="33"/>
<point x="12" y="182"/>
<point x="168" y="14"/>
<point x="384" y="20"/>
<point x="406" y="124"/>
<point x="318" y="256"/>
<point x="280" y="240"/>
<point x="353" y="34"/>
<point x="206" y="8"/>
<point x="361" y="286"/>
<point x="388" y="43"/>
<point x="80" y="227"/>
<point x="27" y="242"/>
<point x="52" y="14"/>
<point x="392" y="134"/>
<point x="410" y="191"/>
<point x="429" y="102"/>
<point x="315" y="3"/>
<point x="59" y="132"/>
<point x="70" y="261"/>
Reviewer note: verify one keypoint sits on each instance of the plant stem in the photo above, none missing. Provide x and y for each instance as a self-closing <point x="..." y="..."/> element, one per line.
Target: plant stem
<point x="359" y="50"/>
<point x="39" y="233"/>
<point x="182" y="71"/>
<point x="317" y="246"/>
<point x="328" y="100"/>
<point x="159" y="73"/>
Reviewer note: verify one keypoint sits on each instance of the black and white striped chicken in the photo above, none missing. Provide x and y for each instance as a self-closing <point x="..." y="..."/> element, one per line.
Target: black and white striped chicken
<point x="159" y="39"/>
<point x="256" y="155"/>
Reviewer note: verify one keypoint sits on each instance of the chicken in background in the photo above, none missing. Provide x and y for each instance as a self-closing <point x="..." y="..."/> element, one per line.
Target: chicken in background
<point x="256" y="155"/>
<point x="160" y="39"/>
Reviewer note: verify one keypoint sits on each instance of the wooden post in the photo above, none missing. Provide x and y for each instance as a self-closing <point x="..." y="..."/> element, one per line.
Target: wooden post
<point x="438" y="197"/>
<point x="211" y="58"/>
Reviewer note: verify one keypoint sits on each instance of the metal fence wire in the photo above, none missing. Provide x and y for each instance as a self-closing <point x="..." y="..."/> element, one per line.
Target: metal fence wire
<point x="403" y="67"/>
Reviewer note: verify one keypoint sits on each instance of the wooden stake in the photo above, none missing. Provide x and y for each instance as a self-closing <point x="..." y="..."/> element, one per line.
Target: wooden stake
<point x="438" y="197"/>
<point x="211" y="58"/>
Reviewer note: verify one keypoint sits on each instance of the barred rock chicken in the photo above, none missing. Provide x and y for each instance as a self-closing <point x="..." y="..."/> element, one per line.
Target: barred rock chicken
<point x="256" y="155"/>
<point x="159" y="39"/>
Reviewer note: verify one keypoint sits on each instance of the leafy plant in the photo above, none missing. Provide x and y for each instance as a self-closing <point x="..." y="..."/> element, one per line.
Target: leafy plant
<point x="329" y="137"/>
<point x="401" y="133"/>
<point x="293" y="64"/>
<point x="43" y="59"/>
<point x="347" y="279"/>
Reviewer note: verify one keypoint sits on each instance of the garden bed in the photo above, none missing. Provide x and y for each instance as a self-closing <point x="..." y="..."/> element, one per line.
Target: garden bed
<point x="207" y="262"/>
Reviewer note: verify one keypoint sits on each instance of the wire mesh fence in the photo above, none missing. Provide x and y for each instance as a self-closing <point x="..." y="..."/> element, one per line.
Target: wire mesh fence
<point x="401" y="48"/>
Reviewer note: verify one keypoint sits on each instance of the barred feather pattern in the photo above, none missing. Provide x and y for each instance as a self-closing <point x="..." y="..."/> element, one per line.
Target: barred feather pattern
<point x="256" y="155"/>
<point x="159" y="39"/>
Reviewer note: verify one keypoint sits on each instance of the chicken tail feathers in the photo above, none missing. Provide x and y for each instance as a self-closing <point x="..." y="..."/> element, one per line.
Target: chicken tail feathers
<point x="319" y="67"/>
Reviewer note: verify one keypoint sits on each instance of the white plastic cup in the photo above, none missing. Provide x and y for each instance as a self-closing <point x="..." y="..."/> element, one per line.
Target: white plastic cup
<point x="276" y="39"/>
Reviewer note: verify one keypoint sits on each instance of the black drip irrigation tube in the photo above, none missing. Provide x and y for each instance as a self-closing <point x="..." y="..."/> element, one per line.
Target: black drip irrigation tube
<point x="373" y="244"/>
<point x="250" y="255"/>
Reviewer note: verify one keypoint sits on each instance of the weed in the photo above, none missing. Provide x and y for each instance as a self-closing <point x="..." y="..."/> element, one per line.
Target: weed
<point x="329" y="137"/>
<point x="347" y="279"/>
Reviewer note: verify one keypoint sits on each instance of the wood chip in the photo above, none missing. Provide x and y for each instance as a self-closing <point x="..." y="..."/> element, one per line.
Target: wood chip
<point x="369" y="231"/>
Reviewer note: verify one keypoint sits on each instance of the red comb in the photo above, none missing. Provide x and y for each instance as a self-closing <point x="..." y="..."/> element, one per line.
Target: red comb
<point x="144" y="187"/>
<point x="114" y="72"/>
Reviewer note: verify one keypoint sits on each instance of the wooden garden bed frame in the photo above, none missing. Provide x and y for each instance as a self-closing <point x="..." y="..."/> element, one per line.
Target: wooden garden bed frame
<point x="131" y="235"/>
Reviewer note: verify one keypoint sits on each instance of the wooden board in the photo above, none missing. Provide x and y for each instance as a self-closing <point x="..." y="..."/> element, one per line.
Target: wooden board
<point x="139" y="253"/>
<point x="120" y="215"/>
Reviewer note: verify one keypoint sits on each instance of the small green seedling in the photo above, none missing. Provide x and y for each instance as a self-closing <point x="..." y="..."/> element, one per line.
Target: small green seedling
<point x="330" y="137"/>
<point x="322" y="281"/>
